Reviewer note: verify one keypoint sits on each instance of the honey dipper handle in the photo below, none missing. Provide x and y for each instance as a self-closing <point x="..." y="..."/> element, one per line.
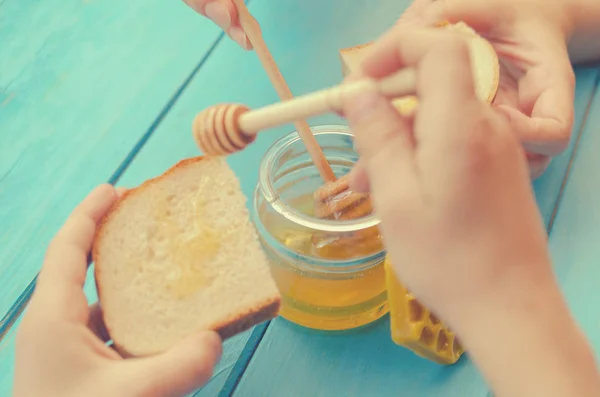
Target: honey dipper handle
<point x="331" y="99"/>
<point x="252" y="29"/>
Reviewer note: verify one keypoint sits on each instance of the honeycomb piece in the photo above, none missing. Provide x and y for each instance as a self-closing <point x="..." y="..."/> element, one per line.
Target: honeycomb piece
<point x="413" y="326"/>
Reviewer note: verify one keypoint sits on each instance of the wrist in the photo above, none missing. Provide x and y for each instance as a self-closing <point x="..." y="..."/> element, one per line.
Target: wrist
<point x="526" y="343"/>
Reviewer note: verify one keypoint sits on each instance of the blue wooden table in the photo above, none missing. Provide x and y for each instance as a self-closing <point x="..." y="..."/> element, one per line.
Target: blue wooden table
<point x="105" y="90"/>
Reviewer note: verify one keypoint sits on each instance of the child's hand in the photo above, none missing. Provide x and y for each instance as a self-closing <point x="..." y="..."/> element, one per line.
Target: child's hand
<point x="224" y="14"/>
<point x="458" y="215"/>
<point x="460" y="221"/>
<point x="61" y="350"/>
<point x="536" y="78"/>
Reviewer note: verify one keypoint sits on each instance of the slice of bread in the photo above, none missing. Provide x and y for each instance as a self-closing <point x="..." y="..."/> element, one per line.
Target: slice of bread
<point x="485" y="64"/>
<point x="179" y="254"/>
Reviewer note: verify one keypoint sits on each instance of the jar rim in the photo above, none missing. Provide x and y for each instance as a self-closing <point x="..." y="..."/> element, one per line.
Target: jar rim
<point x="267" y="184"/>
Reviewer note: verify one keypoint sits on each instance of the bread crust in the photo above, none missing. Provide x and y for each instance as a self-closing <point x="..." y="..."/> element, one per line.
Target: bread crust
<point x="241" y="322"/>
<point x="234" y="324"/>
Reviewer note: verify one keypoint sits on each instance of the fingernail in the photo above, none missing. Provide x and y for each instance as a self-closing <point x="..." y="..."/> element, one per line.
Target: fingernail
<point x="239" y="37"/>
<point x="217" y="13"/>
<point x="361" y="106"/>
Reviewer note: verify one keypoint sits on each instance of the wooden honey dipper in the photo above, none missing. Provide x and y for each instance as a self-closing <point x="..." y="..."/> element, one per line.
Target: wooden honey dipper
<point x="323" y="208"/>
<point x="253" y="31"/>
<point x="224" y="129"/>
<point x="227" y="128"/>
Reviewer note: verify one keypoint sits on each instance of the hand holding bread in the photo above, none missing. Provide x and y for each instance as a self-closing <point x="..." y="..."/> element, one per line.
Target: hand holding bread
<point x="61" y="342"/>
<point x="177" y="256"/>
<point x="460" y="221"/>
<point x="537" y="82"/>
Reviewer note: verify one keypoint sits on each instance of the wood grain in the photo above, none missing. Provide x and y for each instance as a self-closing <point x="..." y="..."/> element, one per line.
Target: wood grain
<point x="81" y="82"/>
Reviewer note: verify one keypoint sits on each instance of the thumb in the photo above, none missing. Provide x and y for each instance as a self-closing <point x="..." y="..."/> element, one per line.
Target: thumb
<point x="184" y="368"/>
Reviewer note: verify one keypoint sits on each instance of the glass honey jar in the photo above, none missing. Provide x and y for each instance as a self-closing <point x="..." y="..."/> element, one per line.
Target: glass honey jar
<point x="326" y="282"/>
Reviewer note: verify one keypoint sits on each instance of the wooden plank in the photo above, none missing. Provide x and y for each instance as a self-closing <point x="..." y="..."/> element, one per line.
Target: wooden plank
<point x="576" y="232"/>
<point x="81" y="83"/>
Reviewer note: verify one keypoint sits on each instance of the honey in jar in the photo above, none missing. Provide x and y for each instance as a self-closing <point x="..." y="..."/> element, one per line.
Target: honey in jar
<point x="325" y="282"/>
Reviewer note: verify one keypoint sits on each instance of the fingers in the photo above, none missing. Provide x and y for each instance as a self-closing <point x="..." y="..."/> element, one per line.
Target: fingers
<point x="445" y="95"/>
<point x="405" y="46"/>
<point x="453" y="129"/>
<point x="444" y="77"/>
<point x="449" y="86"/>
<point x="452" y="125"/>
<point x="64" y="270"/>
<point x="177" y="372"/>
<point x="539" y="135"/>
<point x="548" y="130"/>
<point x="386" y="150"/>
<point x="224" y="14"/>
<point x="383" y="137"/>
<point x="443" y="90"/>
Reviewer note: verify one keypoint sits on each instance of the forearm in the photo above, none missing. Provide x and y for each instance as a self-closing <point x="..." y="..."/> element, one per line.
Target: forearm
<point x="584" y="40"/>
<point x="527" y="344"/>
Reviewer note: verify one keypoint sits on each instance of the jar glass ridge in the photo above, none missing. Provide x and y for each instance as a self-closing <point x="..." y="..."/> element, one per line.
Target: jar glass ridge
<point x="325" y="283"/>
